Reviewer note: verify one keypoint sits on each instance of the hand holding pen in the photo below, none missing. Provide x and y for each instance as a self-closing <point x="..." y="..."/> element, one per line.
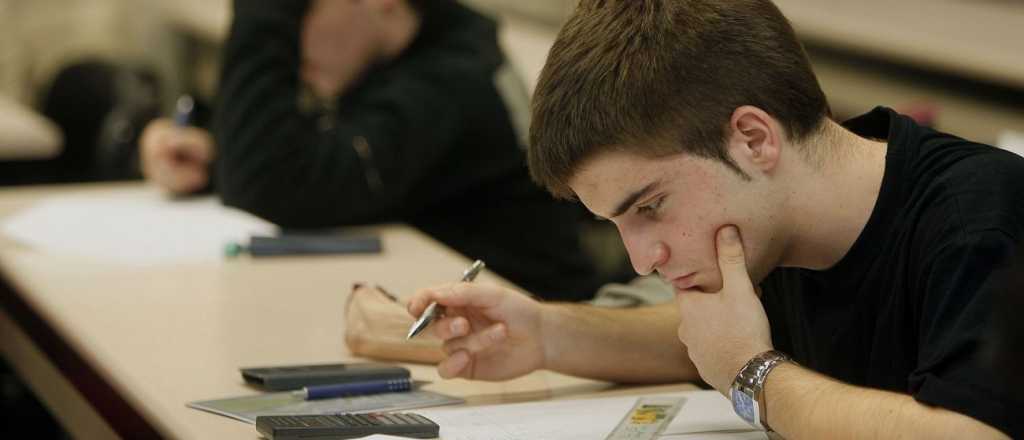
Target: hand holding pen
<point x="492" y="332"/>
<point x="435" y="310"/>
<point x="175" y="155"/>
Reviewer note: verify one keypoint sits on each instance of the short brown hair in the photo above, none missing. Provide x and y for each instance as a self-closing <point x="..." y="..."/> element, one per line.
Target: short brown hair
<point x="664" y="77"/>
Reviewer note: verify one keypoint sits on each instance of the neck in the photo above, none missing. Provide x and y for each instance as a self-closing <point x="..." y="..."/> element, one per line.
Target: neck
<point x="830" y="202"/>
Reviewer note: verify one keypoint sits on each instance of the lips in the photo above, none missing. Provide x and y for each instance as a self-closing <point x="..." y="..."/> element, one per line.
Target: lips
<point x="685" y="282"/>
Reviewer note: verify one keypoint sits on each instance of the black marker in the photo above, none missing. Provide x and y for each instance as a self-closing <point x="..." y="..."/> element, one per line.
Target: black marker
<point x="262" y="246"/>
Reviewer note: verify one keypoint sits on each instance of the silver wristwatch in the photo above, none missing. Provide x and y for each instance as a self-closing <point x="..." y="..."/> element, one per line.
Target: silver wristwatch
<point x="747" y="391"/>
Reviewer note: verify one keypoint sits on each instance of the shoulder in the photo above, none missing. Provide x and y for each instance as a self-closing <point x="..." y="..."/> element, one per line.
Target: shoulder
<point x="963" y="187"/>
<point x="958" y="162"/>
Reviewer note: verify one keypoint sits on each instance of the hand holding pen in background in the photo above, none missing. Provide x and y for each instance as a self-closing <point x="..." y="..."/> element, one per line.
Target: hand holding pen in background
<point x="174" y="155"/>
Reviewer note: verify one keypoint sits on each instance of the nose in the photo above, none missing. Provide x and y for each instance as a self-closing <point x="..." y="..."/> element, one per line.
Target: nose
<point x="645" y="255"/>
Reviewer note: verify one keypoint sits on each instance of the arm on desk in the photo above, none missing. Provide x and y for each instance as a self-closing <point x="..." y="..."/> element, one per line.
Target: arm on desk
<point x="635" y="345"/>
<point x="805" y="405"/>
<point x="493" y="333"/>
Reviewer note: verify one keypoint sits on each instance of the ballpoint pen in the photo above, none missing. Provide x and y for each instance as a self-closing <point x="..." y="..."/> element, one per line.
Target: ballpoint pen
<point x="183" y="110"/>
<point x="314" y="392"/>
<point x="435" y="310"/>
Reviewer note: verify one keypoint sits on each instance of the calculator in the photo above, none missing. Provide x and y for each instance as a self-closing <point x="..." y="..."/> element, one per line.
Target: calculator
<point x="345" y="426"/>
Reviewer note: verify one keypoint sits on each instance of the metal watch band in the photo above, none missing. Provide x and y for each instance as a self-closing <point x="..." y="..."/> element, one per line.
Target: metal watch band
<point x="747" y="391"/>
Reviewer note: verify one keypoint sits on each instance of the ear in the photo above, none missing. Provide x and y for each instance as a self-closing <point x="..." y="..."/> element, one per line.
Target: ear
<point x="755" y="139"/>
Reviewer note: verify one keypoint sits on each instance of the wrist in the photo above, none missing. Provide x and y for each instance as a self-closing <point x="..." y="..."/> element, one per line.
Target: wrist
<point x="735" y="365"/>
<point x="551" y="317"/>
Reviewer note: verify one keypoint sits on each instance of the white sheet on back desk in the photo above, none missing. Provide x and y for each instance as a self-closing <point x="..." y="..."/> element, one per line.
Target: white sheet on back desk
<point x="133" y="227"/>
<point x="705" y="415"/>
<point x="1012" y="141"/>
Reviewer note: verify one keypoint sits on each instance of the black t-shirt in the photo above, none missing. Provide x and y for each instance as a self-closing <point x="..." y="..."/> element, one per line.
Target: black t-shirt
<point x="907" y="309"/>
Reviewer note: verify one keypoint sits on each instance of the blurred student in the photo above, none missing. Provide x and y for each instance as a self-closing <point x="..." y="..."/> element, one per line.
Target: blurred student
<point x="411" y="120"/>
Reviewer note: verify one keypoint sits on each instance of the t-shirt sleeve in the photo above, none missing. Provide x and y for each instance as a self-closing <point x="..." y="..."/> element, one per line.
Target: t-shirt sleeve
<point x="960" y="284"/>
<point x="302" y="168"/>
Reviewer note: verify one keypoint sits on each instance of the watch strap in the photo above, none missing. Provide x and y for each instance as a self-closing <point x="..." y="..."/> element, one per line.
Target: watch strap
<point x="747" y="391"/>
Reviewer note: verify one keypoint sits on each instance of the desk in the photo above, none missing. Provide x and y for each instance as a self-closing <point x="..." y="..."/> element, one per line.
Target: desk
<point x="969" y="41"/>
<point x="972" y="41"/>
<point x="982" y="40"/>
<point x="119" y="351"/>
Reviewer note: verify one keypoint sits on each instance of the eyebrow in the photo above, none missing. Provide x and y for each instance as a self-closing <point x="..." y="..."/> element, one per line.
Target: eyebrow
<point x="626" y="203"/>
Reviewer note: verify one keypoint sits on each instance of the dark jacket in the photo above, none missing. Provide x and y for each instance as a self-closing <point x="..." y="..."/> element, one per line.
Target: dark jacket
<point x="427" y="140"/>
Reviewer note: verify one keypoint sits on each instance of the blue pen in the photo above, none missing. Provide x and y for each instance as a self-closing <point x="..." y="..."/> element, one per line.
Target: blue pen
<point x="353" y="388"/>
<point x="183" y="110"/>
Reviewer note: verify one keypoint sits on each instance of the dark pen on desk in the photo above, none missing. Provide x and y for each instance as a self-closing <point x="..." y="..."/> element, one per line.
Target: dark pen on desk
<point x="435" y="310"/>
<point x="314" y="392"/>
<point x="298" y="244"/>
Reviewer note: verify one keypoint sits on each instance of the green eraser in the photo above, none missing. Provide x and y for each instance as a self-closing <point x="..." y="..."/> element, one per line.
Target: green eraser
<point x="232" y="250"/>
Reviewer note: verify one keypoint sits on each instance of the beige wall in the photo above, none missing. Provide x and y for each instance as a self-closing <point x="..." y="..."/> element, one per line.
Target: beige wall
<point x="547" y="10"/>
<point x="37" y="37"/>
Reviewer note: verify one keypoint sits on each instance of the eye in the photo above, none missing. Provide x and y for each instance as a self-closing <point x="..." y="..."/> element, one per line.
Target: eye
<point x="650" y="209"/>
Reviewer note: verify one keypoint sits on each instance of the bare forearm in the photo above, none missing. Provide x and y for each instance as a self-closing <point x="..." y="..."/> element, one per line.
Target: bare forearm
<point x="620" y="345"/>
<point x="802" y="404"/>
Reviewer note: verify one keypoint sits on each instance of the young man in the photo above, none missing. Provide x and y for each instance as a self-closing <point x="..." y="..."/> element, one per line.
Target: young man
<point x="419" y="127"/>
<point x="832" y="280"/>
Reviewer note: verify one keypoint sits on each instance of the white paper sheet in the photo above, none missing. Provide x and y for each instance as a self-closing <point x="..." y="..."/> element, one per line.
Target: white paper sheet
<point x="586" y="419"/>
<point x="139" y="227"/>
<point x="704" y="412"/>
<point x="1011" y="141"/>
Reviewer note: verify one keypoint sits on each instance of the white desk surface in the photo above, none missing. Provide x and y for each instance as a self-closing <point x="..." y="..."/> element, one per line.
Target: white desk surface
<point x="164" y="336"/>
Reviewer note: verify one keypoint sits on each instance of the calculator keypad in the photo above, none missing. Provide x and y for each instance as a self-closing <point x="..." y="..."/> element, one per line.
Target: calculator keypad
<point x="336" y="426"/>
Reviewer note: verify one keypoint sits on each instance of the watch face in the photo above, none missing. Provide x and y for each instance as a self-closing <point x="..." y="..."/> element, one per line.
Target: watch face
<point x="745" y="407"/>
